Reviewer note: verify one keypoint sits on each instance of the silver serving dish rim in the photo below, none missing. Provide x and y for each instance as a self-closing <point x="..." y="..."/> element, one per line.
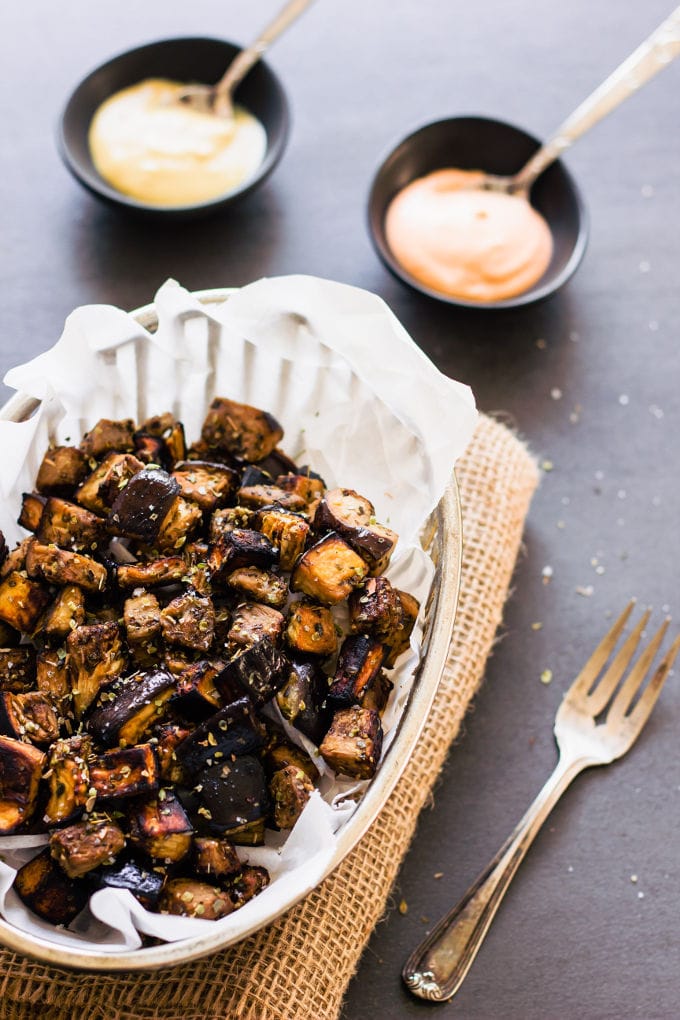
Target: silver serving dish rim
<point x="442" y="538"/>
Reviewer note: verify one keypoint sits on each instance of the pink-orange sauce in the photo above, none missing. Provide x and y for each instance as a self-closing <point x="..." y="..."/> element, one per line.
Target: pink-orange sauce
<point x="465" y="242"/>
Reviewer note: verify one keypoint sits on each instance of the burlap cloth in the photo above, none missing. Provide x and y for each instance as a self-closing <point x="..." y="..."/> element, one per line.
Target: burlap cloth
<point x="299" y="968"/>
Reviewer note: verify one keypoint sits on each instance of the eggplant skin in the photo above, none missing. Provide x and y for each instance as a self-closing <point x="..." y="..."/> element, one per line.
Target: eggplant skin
<point x="303" y="700"/>
<point x="126" y="709"/>
<point x="352" y="516"/>
<point x="20" y="770"/>
<point x="260" y="670"/>
<point x="140" y="506"/>
<point x="160" y="827"/>
<point x="145" y="883"/>
<point x="359" y="663"/>
<point x="233" y="731"/>
<point x="215" y="858"/>
<point x="48" y="892"/>
<point x="233" y="793"/>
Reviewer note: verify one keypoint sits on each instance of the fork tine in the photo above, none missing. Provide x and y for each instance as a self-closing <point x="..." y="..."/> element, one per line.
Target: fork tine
<point x="635" y="678"/>
<point x="642" y="711"/>
<point x="586" y="678"/>
<point x="607" y="685"/>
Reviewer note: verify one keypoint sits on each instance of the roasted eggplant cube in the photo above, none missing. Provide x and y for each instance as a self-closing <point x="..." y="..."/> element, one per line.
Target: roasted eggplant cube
<point x="123" y="772"/>
<point x="16" y="559"/>
<point x="71" y="526"/>
<point x="240" y="430"/>
<point x="290" y="790"/>
<point x="165" y="570"/>
<point x="96" y="657"/>
<point x="68" y="779"/>
<point x="29" y="716"/>
<point x="66" y="612"/>
<point x="260" y="670"/>
<point x="189" y="621"/>
<point x="152" y="450"/>
<point x="22" y="601"/>
<point x="53" y="679"/>
<point x="20" y="770"/>
<point x="287" y="531"/>
<point x="375" y="608"/>
<point x="196" y="696"/>
<point x="127" y="709"/>
<point x="215" y="858"/>
<point x="259" y="585"/>
<point x="328" y="571"/>
<point x="377" y="695"/>
<point x="63" y="468"/>
<point x="32" y="507"/>
<point x="84" y="846"/>
<point x="310" y="629"/>
<point x="48" y="892"/>
<point x="206" y="483"/>
<point x="189" y="898"/>
<point x="17" y="669"/>
<point x="142" y="503"/>
<point x="256" y="496"/>
<point x="99" y="490"/>
<point x="353" y="517"/>
<point x="108" y="435"/>
<point x="232" y="793"/>
<point x="233" y="731"/>
<point x="160" y="827"/>
<point x="144" y="882"/>
<point x="281" y="752"/>
<point x="171" y="431"/>
<point x="62" y="567"/>
<point x="353" y="743"/>
<point x="308" y="487"/>
<point x="167" y="737"/>
<point x="303" y="700"/>
<point x="142" y="620"/>
<point x="250" y="881"/>
<point x="359" y="663"/>
<point x="240" y="547"/>
<point x="251" y="622"/>
<point x="398" y="642"/>
<point x="179" y="524"/>
<point x="227" y="519"/>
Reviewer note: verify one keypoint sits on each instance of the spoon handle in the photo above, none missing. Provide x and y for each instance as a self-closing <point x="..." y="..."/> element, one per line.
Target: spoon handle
<point x="248" y="57"/>
<point x="655" y="53"/>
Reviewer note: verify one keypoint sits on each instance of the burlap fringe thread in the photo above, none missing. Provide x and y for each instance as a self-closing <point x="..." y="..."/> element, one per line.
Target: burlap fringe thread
<point x="275" y="974"/>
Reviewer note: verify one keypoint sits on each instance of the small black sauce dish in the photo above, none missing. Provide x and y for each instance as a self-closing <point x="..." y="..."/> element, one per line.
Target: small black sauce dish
<point x="480" y="143"/>
<point x="189" y="60"/>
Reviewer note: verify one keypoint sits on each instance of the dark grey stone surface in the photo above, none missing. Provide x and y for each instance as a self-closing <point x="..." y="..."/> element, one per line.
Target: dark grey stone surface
<point x="576" y="937"/>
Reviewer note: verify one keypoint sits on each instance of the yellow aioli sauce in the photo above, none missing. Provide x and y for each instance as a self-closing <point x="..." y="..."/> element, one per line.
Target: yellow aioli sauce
<point x="465" y="242"/>
<point x="166" y="153"/>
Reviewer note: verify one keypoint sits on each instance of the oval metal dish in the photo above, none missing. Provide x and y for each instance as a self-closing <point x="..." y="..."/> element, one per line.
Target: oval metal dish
<point x="442" y="539"/>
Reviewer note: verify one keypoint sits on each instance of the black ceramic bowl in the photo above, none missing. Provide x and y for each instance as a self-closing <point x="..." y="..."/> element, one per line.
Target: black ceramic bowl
<point x="479" y="143"/>
<point x="185" y="60"/>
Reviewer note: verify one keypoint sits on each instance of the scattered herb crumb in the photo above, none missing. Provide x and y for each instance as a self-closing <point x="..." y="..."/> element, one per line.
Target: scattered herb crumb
<point x="546" y="676"/>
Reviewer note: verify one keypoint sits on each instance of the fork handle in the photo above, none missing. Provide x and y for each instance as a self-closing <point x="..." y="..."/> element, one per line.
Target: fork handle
<point x="436" y="969"/>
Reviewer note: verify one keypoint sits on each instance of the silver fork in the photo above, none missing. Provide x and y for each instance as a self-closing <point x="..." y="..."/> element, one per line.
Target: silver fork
<point x="437" y="968"/>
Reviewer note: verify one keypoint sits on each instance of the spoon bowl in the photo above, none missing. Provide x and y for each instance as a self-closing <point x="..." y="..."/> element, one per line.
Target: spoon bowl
<point x="184" y="60"/>
<point x="481" y="143"/>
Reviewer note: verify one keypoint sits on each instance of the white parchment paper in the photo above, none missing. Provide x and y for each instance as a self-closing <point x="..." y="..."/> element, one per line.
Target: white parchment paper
<point x="359" y="402"/>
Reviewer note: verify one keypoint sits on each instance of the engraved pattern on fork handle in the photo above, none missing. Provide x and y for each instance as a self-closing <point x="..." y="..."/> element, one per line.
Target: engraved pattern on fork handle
<point x="436" y="969"/>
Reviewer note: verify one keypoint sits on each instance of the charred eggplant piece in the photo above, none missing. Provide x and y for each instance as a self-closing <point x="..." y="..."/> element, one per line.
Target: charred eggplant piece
<point x="53" y="679"/>
<point x="251" y="622"/>
<point x="48" y="892"/>
<point x="240" y="430"/>
<point x="22" y="601"/>
<point x="233" y="793"/>
<point x="398" y="641"/>
<point x="377" y="695"/>
<point x="20" y="770"/>
<point x="68" y="779"/>
<point x="359" y="663"/>
<point x="189" y="621"/>
<point x="215" y="858"/>
<point x="171" y="431"/>
<point x="165" y="570"/>
<point x="329" y="571"/>
<point x="240" y="547"/>
<point x="123" y="772"/>
<point x="96" y="656"/>
<point x="17" y="669"/>
<point x="353" y="516"/>
<point x="178" y="525"/>
<point x="160" y="827"/>
<point x="260" y="670"/>
<point x="375" y="608"/>
<point x="250" y="881"/>
<point x="14" y="560"/>
<point x="32" y="507"/>
<point x="308" y="487"/>
<point x="108" y="435"/>
<point x="189" y="898"/>
<point x="62" y="567"/>
<point x="303" y="700"/>
<point x="227" y="519"/>
<point x="290" y="790"/>
<point x="28" y="717"/>
<point x="63" y="468"/>
<point x="82" y="847"/>
<point x="234" y="730"/>
<point x="152" y="450"/>
<point x="141" y="505"/>
<point x="66" y="612"/>
<point x="353" y="743"/>
<point x="206" y="483"/>
<point x="100" y="489"/>
<point x="310" y="629"/>
<point x="259" y="585"/>
<point x="196" y="696"/>
<point x="287" y="531"/>
<point x="127" y="709"/>
<point x="255" y="496"/>
<point x="281" y="752"/>
<point x="71" y="526"/>
<point x="145" y="883"/>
